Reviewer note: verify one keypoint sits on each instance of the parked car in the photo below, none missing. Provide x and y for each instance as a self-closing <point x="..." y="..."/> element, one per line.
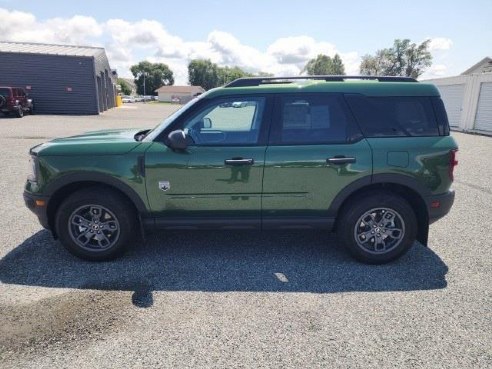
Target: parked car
<point x="15" y="100"/>
<point x="372" y="160"/>
<point x="127" y="99"/>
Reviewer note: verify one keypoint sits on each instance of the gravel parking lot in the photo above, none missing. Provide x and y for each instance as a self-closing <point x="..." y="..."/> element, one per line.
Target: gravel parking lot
<point x="241" y="299"/>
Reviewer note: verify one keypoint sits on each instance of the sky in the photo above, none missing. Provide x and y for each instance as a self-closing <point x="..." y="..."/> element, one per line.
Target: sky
<point x="277" y="37"/>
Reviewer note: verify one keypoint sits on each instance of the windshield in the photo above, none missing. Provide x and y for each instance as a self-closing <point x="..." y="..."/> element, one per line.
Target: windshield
<point x="166" y="122"/>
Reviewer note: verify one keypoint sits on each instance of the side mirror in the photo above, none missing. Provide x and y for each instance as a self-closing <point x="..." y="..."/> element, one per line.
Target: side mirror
<point x="207" y="123"/>
<point x="177" y="140"/>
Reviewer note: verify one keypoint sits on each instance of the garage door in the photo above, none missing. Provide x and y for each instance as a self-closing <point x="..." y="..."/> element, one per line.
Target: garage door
<point x="483" y="119"/>
<point x="452" y="95"/>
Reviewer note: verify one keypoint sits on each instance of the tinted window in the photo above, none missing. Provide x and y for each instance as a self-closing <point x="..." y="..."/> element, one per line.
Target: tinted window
<point x="442" y="117"/>
<point x="5" y="92"/>
<point x="394" y="116"/>
<point x="310" y="119"/>
<point x="227" y="122"/>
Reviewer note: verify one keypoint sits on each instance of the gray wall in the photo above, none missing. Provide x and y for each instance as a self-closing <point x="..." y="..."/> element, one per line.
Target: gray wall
<point x="105" y="91"/>
<point x="49" y="76"/>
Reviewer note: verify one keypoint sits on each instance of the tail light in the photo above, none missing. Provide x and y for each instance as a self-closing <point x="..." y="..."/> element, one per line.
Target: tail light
<point x="452" y="163"/>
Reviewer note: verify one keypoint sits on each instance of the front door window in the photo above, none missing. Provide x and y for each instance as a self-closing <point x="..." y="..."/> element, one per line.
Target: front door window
<point x="229" y="122"/>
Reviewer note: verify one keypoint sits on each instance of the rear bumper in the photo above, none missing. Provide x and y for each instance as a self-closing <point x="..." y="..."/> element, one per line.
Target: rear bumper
<point x="445" y="202"/>
<point x="33" y="203"/>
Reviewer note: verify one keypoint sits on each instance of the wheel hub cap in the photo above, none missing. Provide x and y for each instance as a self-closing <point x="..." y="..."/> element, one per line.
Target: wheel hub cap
<point x="379" y="230"/>
<point x="94" y="227"/>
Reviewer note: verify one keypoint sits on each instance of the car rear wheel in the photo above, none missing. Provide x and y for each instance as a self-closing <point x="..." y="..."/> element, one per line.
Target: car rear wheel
<point x="378" y="227"/>
<point x="96" y="224"/>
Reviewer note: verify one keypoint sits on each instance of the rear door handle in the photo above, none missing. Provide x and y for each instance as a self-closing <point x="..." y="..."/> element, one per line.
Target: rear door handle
<point x="339" y="160"/>
<point x="239" y="161"/>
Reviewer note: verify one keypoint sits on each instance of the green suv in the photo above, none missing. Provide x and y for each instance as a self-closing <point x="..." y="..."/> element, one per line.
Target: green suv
<point x="368" y="157"/>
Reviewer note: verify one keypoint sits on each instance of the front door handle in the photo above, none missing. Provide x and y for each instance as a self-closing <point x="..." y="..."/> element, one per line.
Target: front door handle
<point x="339" y="160"/>
<point x="239" y="161"/>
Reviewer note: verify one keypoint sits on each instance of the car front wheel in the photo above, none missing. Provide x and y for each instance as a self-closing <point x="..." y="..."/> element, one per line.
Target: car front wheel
<point x="378" y="227"/>
<point x="95" y="224"/>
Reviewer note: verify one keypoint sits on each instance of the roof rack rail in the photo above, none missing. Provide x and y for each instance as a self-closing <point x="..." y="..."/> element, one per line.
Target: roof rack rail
<point x="256" y="81"/>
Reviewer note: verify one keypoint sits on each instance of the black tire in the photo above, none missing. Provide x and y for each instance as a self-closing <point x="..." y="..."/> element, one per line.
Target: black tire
<point x="19" y="113"/>
<point x="6" y="113"/>
<point x="361" y="230"/>
<point x="75" y="219"/>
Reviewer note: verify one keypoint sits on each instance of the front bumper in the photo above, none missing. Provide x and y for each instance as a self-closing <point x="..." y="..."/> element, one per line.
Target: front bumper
<point x="39" y="206"/>
<point x="439" y="205"/>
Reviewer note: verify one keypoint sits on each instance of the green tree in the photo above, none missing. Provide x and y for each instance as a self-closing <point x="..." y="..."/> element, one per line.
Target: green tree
<point x="203" y="73"/>
<point x="155" y="74"/>
<point x="229" y="74"/>
<point x="209" y="75"/>
<point x="324" y="65"/>
<point x="338" y="67"/>
<point x="404" y="58"/>
<point x="125" y="87"/>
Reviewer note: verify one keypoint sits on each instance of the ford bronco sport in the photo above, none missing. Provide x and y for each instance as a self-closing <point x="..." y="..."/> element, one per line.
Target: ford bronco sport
<point x="15" y="100"/>
<point x="368" y="157"/>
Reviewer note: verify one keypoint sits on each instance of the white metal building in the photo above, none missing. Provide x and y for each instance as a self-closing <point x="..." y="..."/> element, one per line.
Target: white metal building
<point x="468" y="98"/>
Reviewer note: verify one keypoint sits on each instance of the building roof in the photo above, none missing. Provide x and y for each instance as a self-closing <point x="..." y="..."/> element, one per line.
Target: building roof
<point x="483" y="66"/>
<point x="49" y="49"/>
<point x="180" y="89"/>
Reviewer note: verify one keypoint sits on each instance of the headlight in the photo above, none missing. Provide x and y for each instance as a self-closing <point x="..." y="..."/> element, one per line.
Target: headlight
<point x="33" y="169"/>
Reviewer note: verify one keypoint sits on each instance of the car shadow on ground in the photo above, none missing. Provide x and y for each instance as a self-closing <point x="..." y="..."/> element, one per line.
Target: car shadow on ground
<point x="218" y="261"/>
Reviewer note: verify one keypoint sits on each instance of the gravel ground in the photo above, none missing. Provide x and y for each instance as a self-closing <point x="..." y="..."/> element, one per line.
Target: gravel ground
<point x="241" y="299"/>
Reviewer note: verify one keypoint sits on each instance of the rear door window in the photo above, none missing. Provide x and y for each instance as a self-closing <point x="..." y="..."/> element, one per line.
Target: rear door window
<point x="389" y="116"/>
<point x="307" y="119"/>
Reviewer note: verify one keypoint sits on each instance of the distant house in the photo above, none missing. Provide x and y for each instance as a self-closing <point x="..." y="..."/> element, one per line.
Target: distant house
<point x="181" y="93"/>
<point x="468" y="97"/>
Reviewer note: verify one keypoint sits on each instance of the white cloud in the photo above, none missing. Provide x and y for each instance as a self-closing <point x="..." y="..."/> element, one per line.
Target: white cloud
<point x="435" y="71"/>
<point x="127" y="43"/>
<point x="440" y="43"/>
<point x="298" y="50"/>
<point x="23" y="27"/>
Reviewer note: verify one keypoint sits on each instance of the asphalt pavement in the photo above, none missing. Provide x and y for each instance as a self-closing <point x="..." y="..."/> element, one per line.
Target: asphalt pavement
<point x="240" y="299"/>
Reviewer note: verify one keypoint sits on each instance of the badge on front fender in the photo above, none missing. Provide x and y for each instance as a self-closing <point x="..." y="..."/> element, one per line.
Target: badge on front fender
<point x="164" y="185"/>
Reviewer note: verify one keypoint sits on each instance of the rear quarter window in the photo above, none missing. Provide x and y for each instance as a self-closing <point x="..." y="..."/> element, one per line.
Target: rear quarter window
<point x="394" y="116"/>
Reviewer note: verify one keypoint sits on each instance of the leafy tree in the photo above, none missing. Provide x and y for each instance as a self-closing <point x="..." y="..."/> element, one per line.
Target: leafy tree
<point x="323" y="64"/>
<point x="338" y="67"/>
<point x="229" y="74"/>
<point x="156" y="75"/>
<point x="209" y="75"/>
<point x="403" y="59"/>
<point x="125" y="87"/>
<point x="203" y="73"/>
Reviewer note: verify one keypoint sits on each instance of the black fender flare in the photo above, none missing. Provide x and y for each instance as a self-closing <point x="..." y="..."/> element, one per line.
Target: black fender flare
<point x="97" y="177"/>
<point x="399" y="179"/>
